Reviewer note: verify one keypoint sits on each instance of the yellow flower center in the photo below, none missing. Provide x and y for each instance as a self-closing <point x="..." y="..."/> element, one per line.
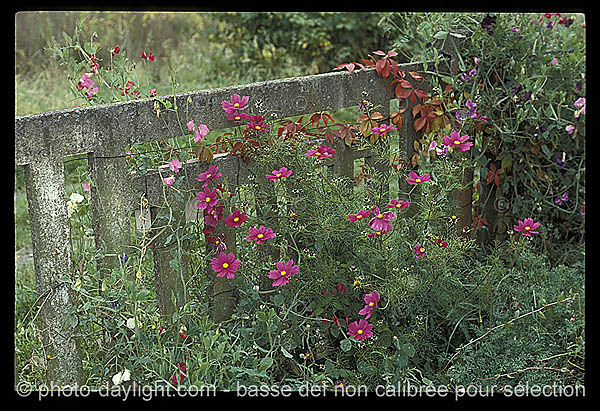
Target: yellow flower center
<point x="208" y="175"/>
<point x="421" y="250"/>
<point x="454" y="217"/>
<point x="225" y="265"/>
<point x="278" y="175"/>
<point x="257" y="127"/>
<point x="208" y="199"/>
<point x="317" y="154"/>
<point x="236" y="219"/>
<point x="325" y="153"/>
<point x="283" y="273"/>
<point x="418" y="180"/>
<point x="527" y="228"/>
<point x="359" y="332"/>
<point x="237" y="118"/>
<point x="380" y="215"/>
<point x="359" y="216"/>
<point x="371" y="304"/>
<point x="260" y="236"/>
<point x="236" y="105"/>
<point x="456" y="142"/>
<point x="398" y="205"/>
<point x="382" y="129"/>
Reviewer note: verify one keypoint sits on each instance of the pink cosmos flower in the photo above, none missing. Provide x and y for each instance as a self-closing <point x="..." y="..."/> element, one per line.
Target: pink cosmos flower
<point x="527" y="227"/>
<point x="260" y="234"/>
<point x="257" y="123"/>
<point x="570" y="128"/>
<point x="277" y="174"/>
<point x="86" y="186"/>
<point x="456" y="140"/>
<point x="206" y="199"/>
<point x="174" y="165"/>
<point x="214" y="214"/>
<point x="235" y="219"/>
<point x="413" y="178"/>
<point x="321" y="152"/>
<point x="362" y="214"/>
<point x="169" y="180"/>
<point x="401" y="204"/>
<point x="225" y="265"/>
<point x="360" y="330"/>
<point x="200" y="133"/>
<point x="383" y="129"/>
<point x="381" y="221"/>
<point x="371" y="301"/>
<point x="238" y="117"/>
<point x="419" y="251"/>
<point x="211" y="174"/>
<point x="190" y="125"/>
<point x="283" y="273"/>
<point x="235" y="103"/>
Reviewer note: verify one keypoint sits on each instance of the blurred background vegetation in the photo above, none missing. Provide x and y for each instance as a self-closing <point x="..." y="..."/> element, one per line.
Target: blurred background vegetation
<point x="201" y="49"/>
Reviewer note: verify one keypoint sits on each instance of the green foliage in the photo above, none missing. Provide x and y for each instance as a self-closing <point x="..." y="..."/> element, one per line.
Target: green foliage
<point x="463" y="314"/>
<point x="307" y="40"/>
<point x="530" y="73"/>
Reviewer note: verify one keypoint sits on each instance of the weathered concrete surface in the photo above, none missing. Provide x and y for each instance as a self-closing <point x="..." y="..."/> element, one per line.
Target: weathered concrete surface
<point x="83" y="130"/>
<point x="51" y="234"/>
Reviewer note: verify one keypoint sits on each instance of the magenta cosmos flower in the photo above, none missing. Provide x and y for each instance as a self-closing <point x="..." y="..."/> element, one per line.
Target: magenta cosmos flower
<point x="383" y="129"/>
<point x="527" y="227"/>
<point x="206" y="199"/>
<point x="361" y="215"/>
<point x="419" y="251"/>
<point x="371" y="301"/>
<point x="238" y="117"/>
<point x="258" y="123"/>
<point x="321" y="152"/>
<point x="236" y="218"/>
<point x="211" y="174"/>
<point x="213" y="215"/>
<point x="277" y="174"/>
<point x="235" y="103"/>
<point x="360" y="329"/>
<point x="225" y="265"/>
<point x="413" y="178"/>
<point x="458" y="141"/>
<point x="381" y="221"/>
<point x="401" y="204"/>
<point x="260" y="234"/>
<point x="283" y="272"/>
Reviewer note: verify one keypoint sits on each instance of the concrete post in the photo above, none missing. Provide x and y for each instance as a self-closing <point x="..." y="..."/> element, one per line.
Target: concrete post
<point x="51" y="234"/>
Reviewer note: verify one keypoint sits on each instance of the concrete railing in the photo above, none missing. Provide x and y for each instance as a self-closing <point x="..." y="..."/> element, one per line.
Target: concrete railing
<point x="105" y="133"/>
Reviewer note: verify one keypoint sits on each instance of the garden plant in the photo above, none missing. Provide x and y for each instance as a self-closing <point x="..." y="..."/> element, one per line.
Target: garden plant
<point x="381" y="278"/>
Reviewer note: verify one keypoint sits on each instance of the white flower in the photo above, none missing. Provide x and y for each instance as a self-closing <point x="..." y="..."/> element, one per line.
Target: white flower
<point x="117" y="378"/>
<point x="76" y="198"/>
<point x="131" y="323"/>
<point x="126" y="375"/>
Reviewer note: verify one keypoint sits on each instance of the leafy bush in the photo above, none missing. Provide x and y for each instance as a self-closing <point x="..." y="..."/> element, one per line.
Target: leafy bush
<point x="367" y="280"/>
<point x="525" y="73"/>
